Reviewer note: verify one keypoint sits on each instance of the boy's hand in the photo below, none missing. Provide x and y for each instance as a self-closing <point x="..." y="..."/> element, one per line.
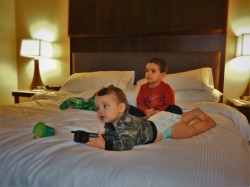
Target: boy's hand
<point x="97" y="142"/>
<point x="149" y="112"/>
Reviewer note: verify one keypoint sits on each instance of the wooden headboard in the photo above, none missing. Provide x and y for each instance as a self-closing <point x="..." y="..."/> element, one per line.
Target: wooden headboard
<point x="177" y="62"/>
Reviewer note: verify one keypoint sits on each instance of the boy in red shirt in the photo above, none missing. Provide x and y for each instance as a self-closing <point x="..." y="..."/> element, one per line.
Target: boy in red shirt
<point x="155" y="95"/>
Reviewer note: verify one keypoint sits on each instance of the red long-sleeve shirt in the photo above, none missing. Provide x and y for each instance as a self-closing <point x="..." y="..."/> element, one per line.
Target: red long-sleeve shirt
<point x="158" y="98"/>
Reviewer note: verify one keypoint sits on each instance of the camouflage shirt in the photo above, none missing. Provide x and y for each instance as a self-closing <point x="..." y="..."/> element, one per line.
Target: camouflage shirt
<point x="129" y="131"/>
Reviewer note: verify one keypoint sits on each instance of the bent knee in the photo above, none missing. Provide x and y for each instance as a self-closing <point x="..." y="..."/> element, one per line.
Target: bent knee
<point x="213" y="123"/>
<point x="197" y="110"/>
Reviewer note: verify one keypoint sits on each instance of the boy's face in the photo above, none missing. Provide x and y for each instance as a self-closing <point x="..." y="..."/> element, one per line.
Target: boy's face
<point x="108" y="108"/>
<point x="153" y="74"/>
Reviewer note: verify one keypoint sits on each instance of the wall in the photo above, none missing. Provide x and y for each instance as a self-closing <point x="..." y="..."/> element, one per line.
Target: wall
<point x="28" y="19"/>
<point x="47" y="20"/>
<point x="169" y="26"/>
<point x="237" y="72"/>
<point x="8" y="69"/>
<point x="54" y="13"/>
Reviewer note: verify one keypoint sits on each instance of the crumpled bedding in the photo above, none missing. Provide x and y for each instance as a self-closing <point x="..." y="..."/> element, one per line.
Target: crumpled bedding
<point x="218" y="157"/>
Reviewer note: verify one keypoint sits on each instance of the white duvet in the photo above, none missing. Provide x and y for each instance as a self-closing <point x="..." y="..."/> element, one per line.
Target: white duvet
<point x="218" y="157"/>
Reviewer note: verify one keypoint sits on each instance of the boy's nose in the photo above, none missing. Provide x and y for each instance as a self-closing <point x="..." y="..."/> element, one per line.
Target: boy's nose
<point x="100" y="111"/>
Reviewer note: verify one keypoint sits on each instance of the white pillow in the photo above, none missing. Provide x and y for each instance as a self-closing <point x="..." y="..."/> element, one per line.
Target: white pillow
<point x="183" y="95"/>
<point x="194" y="85"/>
<point x="199" y="79"/>
<point x="131" y="96"/>
<point x="87" y="94"/>
<point x="79" y="82"/>
<point x="198" y="95"/>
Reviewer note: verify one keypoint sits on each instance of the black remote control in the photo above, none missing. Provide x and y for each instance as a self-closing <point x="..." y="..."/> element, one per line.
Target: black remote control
<point x="83" y="136"/>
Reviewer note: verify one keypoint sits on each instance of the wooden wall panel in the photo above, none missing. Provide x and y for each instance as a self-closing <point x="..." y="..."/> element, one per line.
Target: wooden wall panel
<point x="148" y="25"/>
<point x="208" y="42"/>
<point x="144" y="17"/>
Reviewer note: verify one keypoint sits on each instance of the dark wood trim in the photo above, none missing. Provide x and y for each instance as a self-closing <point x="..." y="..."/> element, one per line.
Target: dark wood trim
<point x="174" y="33"/>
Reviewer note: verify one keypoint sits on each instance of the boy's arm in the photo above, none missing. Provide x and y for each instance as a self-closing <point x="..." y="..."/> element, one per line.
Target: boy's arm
<point x="125" y="142"/>
<point x="169" y="98"/>
<point x="140" y="101"/>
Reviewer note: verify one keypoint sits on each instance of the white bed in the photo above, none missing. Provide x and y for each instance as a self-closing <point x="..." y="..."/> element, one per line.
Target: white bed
<point x="218" y="157"/>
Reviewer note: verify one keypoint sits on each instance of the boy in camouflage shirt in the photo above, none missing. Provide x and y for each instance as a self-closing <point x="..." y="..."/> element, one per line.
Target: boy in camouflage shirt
<point x="112" y="109"/>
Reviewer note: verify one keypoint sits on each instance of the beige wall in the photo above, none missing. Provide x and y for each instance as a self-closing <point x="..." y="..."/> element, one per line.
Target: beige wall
<point x="28" y="19"/>
<point x="237" y="70"/>
<point x="47" y="20"/>
<point x="8" y="69"/>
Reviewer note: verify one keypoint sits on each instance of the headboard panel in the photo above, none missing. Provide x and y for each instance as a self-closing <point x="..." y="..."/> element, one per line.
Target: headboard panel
<point x="120" y="61"/>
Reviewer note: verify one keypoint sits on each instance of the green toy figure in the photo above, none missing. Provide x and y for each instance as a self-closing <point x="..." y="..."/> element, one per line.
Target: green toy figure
<point x="79" y="103"/>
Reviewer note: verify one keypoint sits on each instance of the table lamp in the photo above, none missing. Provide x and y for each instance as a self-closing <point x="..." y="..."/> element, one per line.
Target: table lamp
<point x="36" y="49"/>
<point x="243" y="49"/>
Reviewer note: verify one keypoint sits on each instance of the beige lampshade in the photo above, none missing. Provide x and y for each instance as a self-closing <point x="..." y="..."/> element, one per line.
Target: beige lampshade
<point x="36" y="49"/>
<point x="243" y="45"/>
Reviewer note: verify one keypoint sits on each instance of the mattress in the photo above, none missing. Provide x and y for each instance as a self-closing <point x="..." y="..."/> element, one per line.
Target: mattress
<point x="218" y="157"/>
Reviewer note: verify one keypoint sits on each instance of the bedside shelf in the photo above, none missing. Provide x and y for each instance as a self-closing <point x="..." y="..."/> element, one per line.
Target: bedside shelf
<point x="240" y="105"/>
<point x="24" y="93"/>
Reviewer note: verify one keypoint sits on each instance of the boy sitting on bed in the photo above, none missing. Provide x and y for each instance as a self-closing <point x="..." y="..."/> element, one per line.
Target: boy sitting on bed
<point x="155" y="95"/>
<point x="112" y="109"/>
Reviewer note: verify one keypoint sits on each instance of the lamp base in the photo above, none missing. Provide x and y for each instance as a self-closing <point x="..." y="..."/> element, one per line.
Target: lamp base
<point x="37" y="82"/>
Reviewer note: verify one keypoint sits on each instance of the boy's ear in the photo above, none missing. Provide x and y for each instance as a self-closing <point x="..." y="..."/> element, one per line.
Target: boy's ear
<point x="163" y="74"/>
<point x="122" y="107"/>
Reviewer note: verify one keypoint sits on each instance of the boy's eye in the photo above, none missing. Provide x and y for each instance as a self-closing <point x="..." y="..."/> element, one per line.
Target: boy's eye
<point x="105" y="106"/>
<point x="96" y="108"/>
<point x="152" y="70"/>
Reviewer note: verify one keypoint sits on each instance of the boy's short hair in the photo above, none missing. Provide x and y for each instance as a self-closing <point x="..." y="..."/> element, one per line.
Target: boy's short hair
<point x="117" y="91"/>
<point x="161" y="63"/>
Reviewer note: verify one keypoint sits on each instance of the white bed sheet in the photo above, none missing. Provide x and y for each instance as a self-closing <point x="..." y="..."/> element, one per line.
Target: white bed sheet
<point x="219" y="157"/>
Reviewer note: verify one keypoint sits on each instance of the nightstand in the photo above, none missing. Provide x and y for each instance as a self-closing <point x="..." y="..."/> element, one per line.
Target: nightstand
<point x="23" y="93"/>
<point x="241" y="106"/>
